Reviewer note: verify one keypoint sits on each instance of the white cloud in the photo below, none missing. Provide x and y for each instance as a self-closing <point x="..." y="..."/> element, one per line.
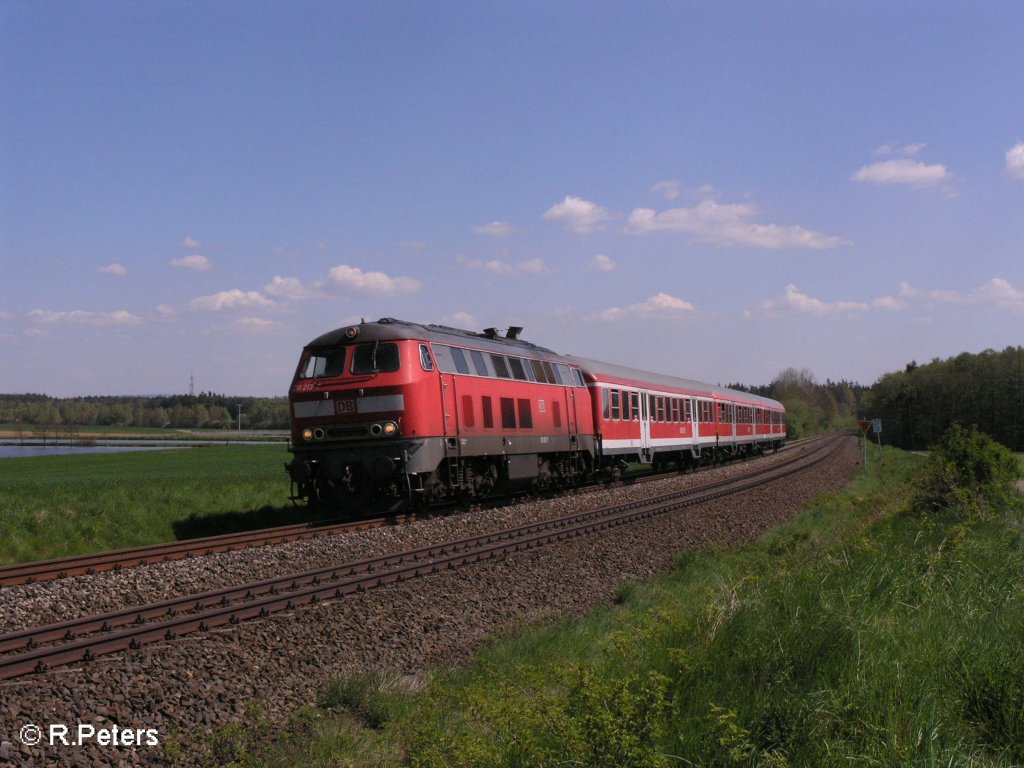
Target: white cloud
<point x="348" y="278"/>
<point x="82" y="317"/>
<point x="528" y="267"/>
<point x="661" y="304"/>
<point x="226" y="301"/>
<point x="601" y="263"/>
<point x="999" y="292"/>
<point x="495" y="229"/>
<point x="794" y="302"/>
<point x="288" y="288"/>
<point x="577" y="214"/>
<point x="670" y="189"/>
<point x="727" y="224"/>
<point x="190" y="242"/>
<point x="903" y="171"/>
<point x="196" y="262"/>
<point x="113" y="269"/>
<point x="1015" y="161"/>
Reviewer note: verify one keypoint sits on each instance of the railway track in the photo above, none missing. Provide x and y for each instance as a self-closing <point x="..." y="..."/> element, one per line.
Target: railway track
<point x="38" y="649"/>
<point x="112" y="560"/>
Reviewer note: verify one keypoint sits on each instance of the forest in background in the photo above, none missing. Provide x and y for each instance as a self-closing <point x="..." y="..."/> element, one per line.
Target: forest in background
<point x="203" y="411"/>
<point x="916" y="405"/>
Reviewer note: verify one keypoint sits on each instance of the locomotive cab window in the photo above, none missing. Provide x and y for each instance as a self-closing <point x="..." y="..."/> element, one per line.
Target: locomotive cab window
<point x="324" y="363"/>
<point x="425" y="362"/>
<point x="376" y="358"/>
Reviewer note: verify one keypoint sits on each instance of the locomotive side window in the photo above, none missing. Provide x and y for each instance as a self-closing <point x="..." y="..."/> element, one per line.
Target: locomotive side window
<point x="604" y="404"/>
<point x="500" y="367"/>
<point x="479" y="363"/>
<point x="508" y="413"/>
<point x="564" y="377"/>
<point x="376" y="358"/>
<point x="467" y="411"/>
<point x="485" y="406"/>
<point x="517" y="368"/>
<point x="579" y="377"/>
<point x="556" y="413"/>
<point x="443" y="356"/>
<point x="460" y="360"/>
<point x="615" y="405"/>
<point x="538" y="371"/>
<point x="326" y="362"/>
<point x="549" y="373"/>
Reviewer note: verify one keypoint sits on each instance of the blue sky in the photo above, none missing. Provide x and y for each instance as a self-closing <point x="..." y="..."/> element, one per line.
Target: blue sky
<point x="714" y="190"/>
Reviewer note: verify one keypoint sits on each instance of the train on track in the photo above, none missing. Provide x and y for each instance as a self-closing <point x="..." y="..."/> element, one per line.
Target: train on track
<point x="389" y="413"/>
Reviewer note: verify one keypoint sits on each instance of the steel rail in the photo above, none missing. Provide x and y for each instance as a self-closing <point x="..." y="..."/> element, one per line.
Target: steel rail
<point x="442" y="556"/>
<point x="58" y="568"/>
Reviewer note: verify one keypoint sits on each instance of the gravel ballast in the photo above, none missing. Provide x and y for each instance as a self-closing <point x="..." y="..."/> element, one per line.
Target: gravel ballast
<point x="181" y="687"/>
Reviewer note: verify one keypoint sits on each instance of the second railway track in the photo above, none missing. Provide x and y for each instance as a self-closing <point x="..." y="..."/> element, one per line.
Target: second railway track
<point x="134" y="627"/>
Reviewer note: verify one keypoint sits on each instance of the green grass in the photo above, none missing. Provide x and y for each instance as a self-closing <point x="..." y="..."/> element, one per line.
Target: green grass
<point x="859" y="634"/>
<point x="62" y="505"/>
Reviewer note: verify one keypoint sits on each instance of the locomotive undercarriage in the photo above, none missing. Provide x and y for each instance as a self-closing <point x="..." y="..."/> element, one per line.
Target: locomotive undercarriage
<point x="363" y="479"/>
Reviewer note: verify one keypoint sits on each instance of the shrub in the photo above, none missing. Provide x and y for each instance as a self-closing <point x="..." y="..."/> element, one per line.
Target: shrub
<point x="968" y="475"/>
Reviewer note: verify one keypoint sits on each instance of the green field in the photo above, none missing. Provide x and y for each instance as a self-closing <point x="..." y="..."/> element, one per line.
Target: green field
<point x="63" y="505"/>
<point x="859" y="634"/>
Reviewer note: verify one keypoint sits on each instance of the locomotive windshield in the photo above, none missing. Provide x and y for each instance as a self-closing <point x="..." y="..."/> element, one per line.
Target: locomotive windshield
<point x="376" y="358"/>
<point x="324" y="363"/>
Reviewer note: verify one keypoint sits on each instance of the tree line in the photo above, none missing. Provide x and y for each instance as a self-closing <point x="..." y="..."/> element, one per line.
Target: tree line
<point x="986" y="390"/>
<point x="203" y="411"/>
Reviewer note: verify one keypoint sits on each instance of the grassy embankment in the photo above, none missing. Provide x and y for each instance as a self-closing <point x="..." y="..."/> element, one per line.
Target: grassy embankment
<point x="861" y="633"/>
<point x="63" y="505"/>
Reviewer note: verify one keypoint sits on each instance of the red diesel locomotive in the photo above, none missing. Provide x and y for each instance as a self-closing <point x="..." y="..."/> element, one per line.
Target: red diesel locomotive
<point x="391" y="413"/>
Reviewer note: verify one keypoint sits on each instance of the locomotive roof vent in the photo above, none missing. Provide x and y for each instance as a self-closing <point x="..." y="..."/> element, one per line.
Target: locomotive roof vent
<point x="491" y="333"/>
<point x="513" y="332"/>
<point x="386" y="320"/>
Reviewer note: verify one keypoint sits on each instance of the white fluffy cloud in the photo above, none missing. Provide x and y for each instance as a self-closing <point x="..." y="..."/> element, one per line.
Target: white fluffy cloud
<point x="661" y="304"/>
<point x="82" y="317"/>
<point x="528" y="267"/>
<point x="1015" y="161"/>
<point x="577" y="214"/>
<point x="196" y="262"/>
<point x="113" y="269"/>
<point x="287" y="288"/>
<point x="346" y="278"/>
<point x="227" y="301"/>
<point x="670" y="189"/>
<point x="601" y="263"/>
<point x="903" y="170"/>
<point x="190" y="242"/>
<point x="996" y="292"/>
<point x="794" y="302"/>
<point x="727" y="224"/>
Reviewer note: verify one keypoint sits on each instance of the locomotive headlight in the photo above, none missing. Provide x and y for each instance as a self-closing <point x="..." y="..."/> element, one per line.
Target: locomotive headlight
<point x="390" y="428"/>
<point x="307" y="434"/>
<point x="351" y="332"/>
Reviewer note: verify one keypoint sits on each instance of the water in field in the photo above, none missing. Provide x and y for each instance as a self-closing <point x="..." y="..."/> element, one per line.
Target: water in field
<point x="18" y="451"/>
